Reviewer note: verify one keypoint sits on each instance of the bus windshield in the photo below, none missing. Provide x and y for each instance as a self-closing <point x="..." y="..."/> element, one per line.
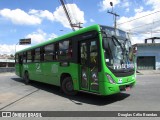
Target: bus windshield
<point x="117" y="50"/>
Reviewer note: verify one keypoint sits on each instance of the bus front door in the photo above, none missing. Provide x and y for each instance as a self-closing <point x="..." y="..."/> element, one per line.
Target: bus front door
<point x="89" y="65"/>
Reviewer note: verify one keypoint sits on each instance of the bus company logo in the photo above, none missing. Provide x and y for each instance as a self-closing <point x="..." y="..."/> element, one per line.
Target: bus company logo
<point x="38" y="67"/>
<point x="6" y="114"/>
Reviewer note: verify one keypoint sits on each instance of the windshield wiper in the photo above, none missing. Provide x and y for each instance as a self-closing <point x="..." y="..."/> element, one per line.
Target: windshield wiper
<point x="114" y="38"/>
<point x="120" y="44"/>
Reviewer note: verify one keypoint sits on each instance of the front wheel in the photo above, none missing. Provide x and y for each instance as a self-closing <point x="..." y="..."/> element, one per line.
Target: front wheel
<point x="67" y="86"/>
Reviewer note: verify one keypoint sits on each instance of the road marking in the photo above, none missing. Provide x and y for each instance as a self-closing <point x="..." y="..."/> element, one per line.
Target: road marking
<point x="19" y="99"/>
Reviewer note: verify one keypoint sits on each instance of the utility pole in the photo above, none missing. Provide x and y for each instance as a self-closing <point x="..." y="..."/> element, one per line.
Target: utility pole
<point x="115" y="15"/>
<point x="67" y="14"/>
<point x="69" y="18"/>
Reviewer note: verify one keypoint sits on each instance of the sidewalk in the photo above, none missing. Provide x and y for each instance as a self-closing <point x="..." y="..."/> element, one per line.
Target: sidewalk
<point x="147" y="72"/>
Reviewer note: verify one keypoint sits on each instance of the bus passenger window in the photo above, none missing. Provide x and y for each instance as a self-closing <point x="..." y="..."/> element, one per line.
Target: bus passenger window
<point x="20" y="58"/>
<point x="42" y="54"/>
<point x="48" y="52"/>
<point x="24" y="57"/>
<point x="33" y="55"/>
<point x="29" y="57"/>
<point x="69" y="51"/>
<point x="65" y="52"/>
<point x="37" y="55"/>
<point x="55" y="54"/>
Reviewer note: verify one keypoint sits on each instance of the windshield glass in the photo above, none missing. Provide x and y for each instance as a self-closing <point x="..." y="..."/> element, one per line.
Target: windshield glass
<point x="111" y="31"/>
<point x="117" y="51"/>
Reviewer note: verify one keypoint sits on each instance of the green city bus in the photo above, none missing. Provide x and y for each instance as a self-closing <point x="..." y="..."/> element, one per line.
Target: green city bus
<point x="97" y="59"/>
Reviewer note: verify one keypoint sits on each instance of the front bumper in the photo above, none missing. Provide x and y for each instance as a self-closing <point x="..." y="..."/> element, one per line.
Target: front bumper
<point x="110" y="89"/>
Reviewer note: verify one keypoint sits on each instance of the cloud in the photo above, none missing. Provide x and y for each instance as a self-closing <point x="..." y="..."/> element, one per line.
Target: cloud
<point x="138" y="10"/>
<point x="91" y="20"/>
<point x="127" y="10"/>
<point x="18" y="16"/>
<point x="36" y="37"/>
<point x="40" y="36"/>
<point x="105" y="4"/>
<point x="77" y="16"/>
<point x="10" y="49"/>
<point x="125" y="3"/>
<point x="34" y="17"/>
<point x="142" y="28"/>
<point x="51" y="36"/>
<point x="42" y="14"/>
<point x="154" y="3"/>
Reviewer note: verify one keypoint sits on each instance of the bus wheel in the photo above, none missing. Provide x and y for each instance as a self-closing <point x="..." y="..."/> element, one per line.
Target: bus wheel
<point x="26" y="78"/>
<point x="67" y="86"/>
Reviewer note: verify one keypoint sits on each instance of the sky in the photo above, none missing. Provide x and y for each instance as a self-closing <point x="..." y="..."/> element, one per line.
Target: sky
<point x="43" y="20"/>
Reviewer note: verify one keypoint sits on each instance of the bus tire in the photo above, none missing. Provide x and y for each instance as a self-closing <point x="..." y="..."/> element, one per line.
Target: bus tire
<point x="26" y="78"/>
<point x="67" y="86"/>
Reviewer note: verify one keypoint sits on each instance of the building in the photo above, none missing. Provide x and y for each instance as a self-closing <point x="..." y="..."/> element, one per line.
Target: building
<point x="7" y="60"/>
<point x="148" y="55"/>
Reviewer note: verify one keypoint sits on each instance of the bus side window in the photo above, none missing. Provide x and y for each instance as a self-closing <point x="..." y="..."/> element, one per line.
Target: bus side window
<point x="48" y="52"/>
<point x="42" y="54"/>
<point x="64" y="51"/>
<point x="29" y="57"/>
<point x="24" y="57"/>
<point x="20" y="58"/>
<point x="33" y="55"/>
<point x="37" y="55"/>
<point x="56" y="51"/>
<point x="70" y="51"/>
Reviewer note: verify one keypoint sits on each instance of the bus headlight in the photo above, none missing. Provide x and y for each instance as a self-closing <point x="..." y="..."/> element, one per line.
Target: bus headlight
<point x="110" y="79"/>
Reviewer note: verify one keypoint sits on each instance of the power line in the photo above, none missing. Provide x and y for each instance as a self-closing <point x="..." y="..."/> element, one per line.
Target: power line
<point x="136" y="33"/>
<point x="143" y="25"/>
<point x="137" y="18"/>
<point x="146" y="32"/>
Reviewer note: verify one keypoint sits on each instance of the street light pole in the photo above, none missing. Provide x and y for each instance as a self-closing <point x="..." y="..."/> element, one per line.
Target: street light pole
<point x="25" y="41"/>
<point x="115" y="15"/>
<point x="15" y="47"/>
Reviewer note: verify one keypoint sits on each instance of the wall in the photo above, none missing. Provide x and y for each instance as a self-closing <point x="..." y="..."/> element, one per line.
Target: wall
<point x="9" y="69"/>
<point x="150" y="50"/>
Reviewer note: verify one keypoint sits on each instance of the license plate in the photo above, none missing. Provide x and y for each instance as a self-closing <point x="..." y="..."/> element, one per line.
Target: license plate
<point x="127" y="88"/>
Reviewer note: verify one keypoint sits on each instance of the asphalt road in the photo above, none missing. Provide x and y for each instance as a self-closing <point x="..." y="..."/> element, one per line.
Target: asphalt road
<point x="16" y="96"/>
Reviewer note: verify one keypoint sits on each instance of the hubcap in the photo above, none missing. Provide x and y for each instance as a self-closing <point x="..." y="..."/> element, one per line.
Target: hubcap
<point x="69" y="86"/>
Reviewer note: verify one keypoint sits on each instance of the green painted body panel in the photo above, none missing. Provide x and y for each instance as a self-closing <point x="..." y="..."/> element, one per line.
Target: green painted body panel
<point x="50" y="72"/>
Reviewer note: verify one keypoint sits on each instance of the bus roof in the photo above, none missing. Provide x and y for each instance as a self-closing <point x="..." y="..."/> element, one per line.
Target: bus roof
<point x="83" y="30"/>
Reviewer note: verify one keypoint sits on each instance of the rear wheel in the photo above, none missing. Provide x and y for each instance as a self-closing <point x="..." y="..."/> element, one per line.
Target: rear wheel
<point x="26" y="78"/>
<point x="67" y="86"/>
